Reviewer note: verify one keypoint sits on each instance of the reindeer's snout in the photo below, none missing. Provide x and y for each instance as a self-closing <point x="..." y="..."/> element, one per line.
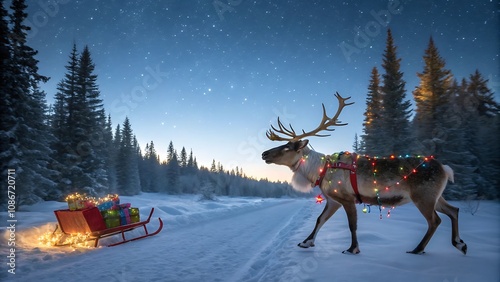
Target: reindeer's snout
<point x="265" y="156"/>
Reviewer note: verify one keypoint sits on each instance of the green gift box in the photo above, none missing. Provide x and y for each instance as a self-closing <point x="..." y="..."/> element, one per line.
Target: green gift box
<point x="111" y="218"/>
<point x="134" y="215"/>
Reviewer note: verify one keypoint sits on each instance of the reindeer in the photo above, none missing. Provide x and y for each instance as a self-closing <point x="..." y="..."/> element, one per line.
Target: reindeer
<point x="346" y="179"/>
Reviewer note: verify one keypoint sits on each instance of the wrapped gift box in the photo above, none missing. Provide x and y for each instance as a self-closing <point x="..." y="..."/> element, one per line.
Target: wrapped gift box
<point x="108" y="202"/>
<point x="124" y="216"/>
<point x="134" y="215"/>
<point x="111" y="218"/>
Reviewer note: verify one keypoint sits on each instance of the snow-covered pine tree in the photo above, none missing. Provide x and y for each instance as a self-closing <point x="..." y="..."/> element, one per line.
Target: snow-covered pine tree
<point x="356" y="144"/>
<point x="373" y="143"/>
<point x="93" y="123"/>
<point x="432" y="99"/>
<point x="472" y="135"/>
<point x="213" y="167"/>
<point x="110" y="155"/>
<point x="80" y="127"/>
<point x="138" y="158"/>
<point x="172" y="170"/>
<point x="183" y="160"/>
<point x="396" y="110"/>
<point x="455" y="151"/>
<point x="127" y="171"/>
<point x="483" y="142"/>
<point x="170" y="151"/>
<point x="8" y="119"/>
<point x="144" y="171"/>
<point x="150" y="171"/>
<point x="192" y="167"/>
<point x="63" y="120"/>
<point x="25" y="128"/>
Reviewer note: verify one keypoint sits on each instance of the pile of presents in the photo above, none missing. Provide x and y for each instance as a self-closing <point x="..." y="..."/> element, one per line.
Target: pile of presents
<point x="113" y="213"/>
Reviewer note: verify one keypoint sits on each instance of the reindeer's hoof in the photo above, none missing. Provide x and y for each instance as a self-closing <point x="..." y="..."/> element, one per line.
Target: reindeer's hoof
<point x="306" y="244"/>
<point x="352" y="251"/>
<point x="461" y="247"/>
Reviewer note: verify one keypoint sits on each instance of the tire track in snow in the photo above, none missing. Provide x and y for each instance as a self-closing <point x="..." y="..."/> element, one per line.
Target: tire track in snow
<point x="265" y="262"/>
<point x="236" y="246"/>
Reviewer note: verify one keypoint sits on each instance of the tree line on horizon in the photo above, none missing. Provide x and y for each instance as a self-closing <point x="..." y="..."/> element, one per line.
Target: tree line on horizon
<point x="70" y="146"/>
<point x="456" y="122"/>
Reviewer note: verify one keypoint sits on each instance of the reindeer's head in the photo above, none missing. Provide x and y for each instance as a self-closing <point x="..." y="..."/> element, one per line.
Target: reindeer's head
<point x="288" y="154"/>
<point x="291" y="153"/>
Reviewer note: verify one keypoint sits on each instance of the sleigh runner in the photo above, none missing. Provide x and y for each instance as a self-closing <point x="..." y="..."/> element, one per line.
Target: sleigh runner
<point x="92" y="225"/>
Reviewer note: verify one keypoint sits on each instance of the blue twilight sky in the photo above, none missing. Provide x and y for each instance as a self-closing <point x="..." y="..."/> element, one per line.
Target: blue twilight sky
<point x="211" y="76"/>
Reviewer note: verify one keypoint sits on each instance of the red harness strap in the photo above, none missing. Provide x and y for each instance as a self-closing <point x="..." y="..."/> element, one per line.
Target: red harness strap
<point x="340" y="165"/>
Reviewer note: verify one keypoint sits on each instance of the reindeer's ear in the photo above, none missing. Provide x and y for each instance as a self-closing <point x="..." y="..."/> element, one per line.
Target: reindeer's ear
<point x="301" y="144"/>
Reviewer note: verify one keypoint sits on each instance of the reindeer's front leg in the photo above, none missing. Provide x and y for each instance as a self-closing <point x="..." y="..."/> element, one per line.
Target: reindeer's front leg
<point x="330" y="208"/>
<point x="352" y="217"/>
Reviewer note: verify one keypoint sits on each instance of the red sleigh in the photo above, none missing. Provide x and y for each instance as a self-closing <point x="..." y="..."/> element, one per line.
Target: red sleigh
<point x="90" y="222"/>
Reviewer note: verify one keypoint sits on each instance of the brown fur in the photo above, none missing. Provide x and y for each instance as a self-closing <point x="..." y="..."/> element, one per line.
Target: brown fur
<point x="423" y="187"/>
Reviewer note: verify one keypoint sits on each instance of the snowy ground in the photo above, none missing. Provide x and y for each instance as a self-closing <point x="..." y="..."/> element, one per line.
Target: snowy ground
<point x="251" y="239"/>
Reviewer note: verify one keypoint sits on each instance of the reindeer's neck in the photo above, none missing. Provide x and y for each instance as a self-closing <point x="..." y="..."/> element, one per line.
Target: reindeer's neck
<point x="308" y="170"/>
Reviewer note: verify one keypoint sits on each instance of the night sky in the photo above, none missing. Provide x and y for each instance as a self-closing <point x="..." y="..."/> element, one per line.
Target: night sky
<point x="212" y="77"/>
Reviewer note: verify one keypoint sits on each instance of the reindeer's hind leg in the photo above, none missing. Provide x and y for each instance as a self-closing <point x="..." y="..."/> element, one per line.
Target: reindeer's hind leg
<point x="433" y="221"/>
<point x="330" y="208"/>
<point x="452" y="212"/>
<point x="352" y="218"/>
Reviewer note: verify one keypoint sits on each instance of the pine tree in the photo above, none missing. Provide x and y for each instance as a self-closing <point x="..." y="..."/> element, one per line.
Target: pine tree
<point x="80" y="127"/>
<point x="483" y="97"/>
<point x="8" y="119"/>
<point x="456" y="153"/>
<point x="396" y="110"/>
<point x="151" y="173"/>
<point x="213" y="167"/>
<point x="126" y="163"/>
<point x="63" y="123"/>
<point x="93" y="124"/>
<point x="25" y="129"/>
<point x="170" y="151"/>
<point x="191" y="164"/>
<point x="172" y="170"/>
<point x="110" y="155"/>
<point x="183" y="160"/>
<point x="432" y="99"/>
<point x="482" y="126"/>
<point x="372" y="125"/>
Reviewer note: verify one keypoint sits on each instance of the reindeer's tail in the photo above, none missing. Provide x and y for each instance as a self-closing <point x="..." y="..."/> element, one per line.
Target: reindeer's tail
<point x="449" y="173"/>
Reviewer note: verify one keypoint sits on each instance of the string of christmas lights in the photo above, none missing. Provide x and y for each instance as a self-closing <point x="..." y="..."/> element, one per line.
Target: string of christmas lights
<point x="366" y="209"/>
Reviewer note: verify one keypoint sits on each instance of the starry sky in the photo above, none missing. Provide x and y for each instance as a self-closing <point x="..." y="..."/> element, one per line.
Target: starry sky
<point x="212" y="75"/>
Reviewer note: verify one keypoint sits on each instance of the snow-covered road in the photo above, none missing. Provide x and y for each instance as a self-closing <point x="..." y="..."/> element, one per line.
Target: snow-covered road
<point x="250" y="239"/>
<point x="230" y="245"/>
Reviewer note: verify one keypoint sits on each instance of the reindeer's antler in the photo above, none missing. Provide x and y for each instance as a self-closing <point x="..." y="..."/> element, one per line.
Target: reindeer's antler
<point x="326" y="122"/>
